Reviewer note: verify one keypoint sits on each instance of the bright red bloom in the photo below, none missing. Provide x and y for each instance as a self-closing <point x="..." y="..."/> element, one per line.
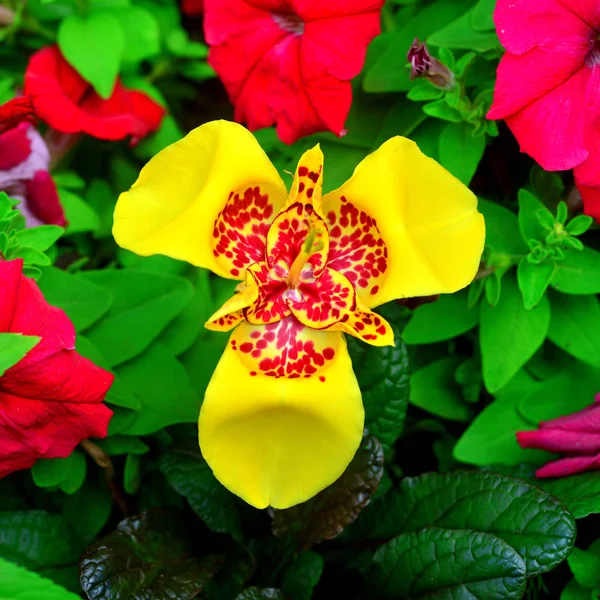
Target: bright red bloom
<point x="64" y="100"/>
<point x="52" y="399"/>
<point x="192" y="7"/>
<point x="576" y="435"/>
<point x="548" y="86"/>
<point x="289" y="62"/>
<point x="24" y="175"/>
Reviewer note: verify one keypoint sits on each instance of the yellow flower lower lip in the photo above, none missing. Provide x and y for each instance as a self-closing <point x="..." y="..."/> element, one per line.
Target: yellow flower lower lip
<point x="282" y="416"/>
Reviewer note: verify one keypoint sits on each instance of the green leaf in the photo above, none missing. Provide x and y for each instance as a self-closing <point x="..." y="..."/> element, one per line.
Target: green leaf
<point x="461" y="35"/>
<point x="187" y="472"/>
<point x="39" y="238"/>
<point x="534" y="280"/>
<point x="534" y="523"/>
<point x="144" y="303"/>
<point x="122" y="444"/>
<point x="83" y="301"/>
<point x="66" y="473"/>
<point x="179" y="44"/>
<point x="579" y="493"/>
<point x="141" y="33"/>
<point x="94" y="47"/>
<point x="87" y="511"/>
<point x="482" y="16"/>
<point x="37" y="539"/>
<point x="254" y="593"/>
<point x="302" y="576"/>
<point x="383" y="377"/>
<point x="444" y="319"/>
<point x="327" y="514"/>
<point x="568" y="391"/>
<point x="445" y="564"/>
<point x="529" y="222"/>
<point x="424" y="90"/>
<point x="13" y="348"/>
<point x="510" y="334"/>
<point x="30" y="256"/>
<point x="163" y="387"/>
<point x="145" y="557"/>
<point x="578" y="273"/>
<point x="81" y="216"/>
<point x="491" y="439"/>
<point x="132" y="474"/>
<point x="461" y="151"/>
<point x="574" y="591"/>
<point x="575" y="326"/>
<point x="579" y="224"/>
<point x="434" y="389"/>
<point x="585" y="566"/>
<point x="16" y="583"/>
<point x="502" y="232"/>
<point x="440" y="110"/>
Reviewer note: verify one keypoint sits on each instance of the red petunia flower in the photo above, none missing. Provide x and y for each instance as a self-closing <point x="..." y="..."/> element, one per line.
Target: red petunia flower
<point x="576" y="435"/>
<point x="52" y="399"/>
<point x="192" y="7"/>
<point x="289" y="62"/>
<point x="24" y="175"/>
<point x="65" y="101"/>
<point x="548" y="86"/>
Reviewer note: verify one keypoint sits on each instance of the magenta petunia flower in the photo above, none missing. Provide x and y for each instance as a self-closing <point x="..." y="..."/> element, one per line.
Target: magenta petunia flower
<point x="548" y="86"/>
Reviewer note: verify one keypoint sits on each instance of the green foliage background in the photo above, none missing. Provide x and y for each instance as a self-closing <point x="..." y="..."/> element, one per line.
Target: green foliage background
<point x="440" y="501"/>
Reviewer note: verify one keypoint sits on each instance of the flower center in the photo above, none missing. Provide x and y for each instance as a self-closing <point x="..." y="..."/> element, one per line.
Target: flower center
<point x="313" y="243"/>
<point x="289" y="22"/>
<point x="593" y="57"/>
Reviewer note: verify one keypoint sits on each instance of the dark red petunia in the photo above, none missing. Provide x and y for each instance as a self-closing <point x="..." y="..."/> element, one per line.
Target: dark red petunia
<point x="52" y="399"/>
<point x="577" y="436"/>
<point x="15" y="111"/>
<point x="290" y="62"/>
<point x="24" y="175"/>
<point x="66" y="102"/>
<point x="192" y="7"/>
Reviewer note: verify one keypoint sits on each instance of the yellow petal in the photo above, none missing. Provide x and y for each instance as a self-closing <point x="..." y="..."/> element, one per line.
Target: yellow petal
<point x="207" y="199"/>
<point x="366" y="326"/>
<point x="429" y="222"/>
<point x="232" y="312"/>
<point x="276" y="440"/>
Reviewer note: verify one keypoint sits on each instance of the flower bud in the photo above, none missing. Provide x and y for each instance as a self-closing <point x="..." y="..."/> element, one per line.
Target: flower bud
<point x="7" y="16"/>
<point x="425" y="65"/>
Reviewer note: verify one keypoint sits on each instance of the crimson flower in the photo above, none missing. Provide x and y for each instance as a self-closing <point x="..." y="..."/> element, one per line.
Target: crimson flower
<point x="192" y="7"/>
<point x="24" y="175"/>
<point x="577" y="436"/>
<point x="59" y="96"/>
<point x="52" y="399"/>
<point x="289" y="62"/>
<point x="548" y="85"/>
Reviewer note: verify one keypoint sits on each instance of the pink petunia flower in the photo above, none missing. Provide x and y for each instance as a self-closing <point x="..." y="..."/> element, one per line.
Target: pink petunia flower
<point x="290" y="62"/>
<point x="577" y="436"/>
<point x="24" y="175"/>
<point x="548" y="85"/>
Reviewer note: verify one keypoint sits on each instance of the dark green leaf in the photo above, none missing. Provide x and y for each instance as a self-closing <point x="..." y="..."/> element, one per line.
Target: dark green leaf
<point x="325" y="516"/>
<point x="585" y="566"/>
<point x="575" y="326"/>
<point x="510" y="334"/>
<point x="434" y="389"/>
<point x="579" y="493"/>
<point x="66" y="473"/>
<point x="461" y="34"/>
<point x="144" y="558"/>
<point x="144" y="303"/>
<point x="83" y="301"/>
<point x="383" y="376"/>
<point x="187" y="472"/>
<point x="255" y="593"/>
<point x="442" y="320"/>
<point x="302" y="576"/>
<point x="461" y="151"/>
<point x="529" y="223"/>
<point x="444" y="564"/>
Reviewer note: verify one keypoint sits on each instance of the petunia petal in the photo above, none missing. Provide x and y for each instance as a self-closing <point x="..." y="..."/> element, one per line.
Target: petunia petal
<point x="569" y="466"/>
<point x="207" y="199"/>
<point x="276" y="440"/>
<point x="427" y="219"/>
<point x="523" y="24"/>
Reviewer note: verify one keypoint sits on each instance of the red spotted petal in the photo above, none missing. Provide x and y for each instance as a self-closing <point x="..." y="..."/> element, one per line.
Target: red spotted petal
<point x="284" y="349"/>
<point x="271" y="304"/>
<point x="356" y="248"/>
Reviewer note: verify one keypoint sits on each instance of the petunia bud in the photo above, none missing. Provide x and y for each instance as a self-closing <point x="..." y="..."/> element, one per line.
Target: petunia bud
<point x="425" y="65"/>
<point x="7" y="16"/>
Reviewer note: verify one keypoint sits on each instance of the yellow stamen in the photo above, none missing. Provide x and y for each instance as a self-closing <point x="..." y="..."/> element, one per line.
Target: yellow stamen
<point x="313" y="243"/>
